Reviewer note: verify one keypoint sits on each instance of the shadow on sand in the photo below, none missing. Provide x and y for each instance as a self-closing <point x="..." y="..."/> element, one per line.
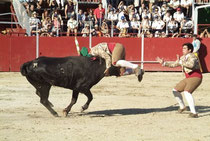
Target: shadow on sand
<point x="203" y="111"/>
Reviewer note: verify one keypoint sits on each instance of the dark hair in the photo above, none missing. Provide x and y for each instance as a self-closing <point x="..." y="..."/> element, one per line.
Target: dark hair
<point x="114" y="71"/>
<point x="189" y="46"/>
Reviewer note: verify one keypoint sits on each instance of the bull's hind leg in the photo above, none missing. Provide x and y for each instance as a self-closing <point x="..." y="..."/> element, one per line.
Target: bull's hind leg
<point x="44" y="94"/>
<point x="37" y="86"/>
<point x="90" y="98"/>
<point x="73" y="101"/>
<point x="38" y="93"/>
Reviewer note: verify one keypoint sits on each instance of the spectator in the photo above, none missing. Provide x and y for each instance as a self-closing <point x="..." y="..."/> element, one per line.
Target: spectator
<point x="122" y="13"/>
<point x="135" y="26"/>
<point x="186" y="26"/>
<point x="112" y="17"/>
<point x="53" y="5"/>
<point x="90" y="17"/>
<point x="80" y="23"/>
<point x="110" y="7"/>
<point x="167" y="17"/>
<point x="179" y="15"/>
<point x="45" y="14"/>
<point x="157" y="25"/>
<point x="164" y="9"/>
<point x="34" y="21"/>
<point x="186" y="6"/>
<point x="46" y="27"/>
<point x="96" y="32"/>
<point x="69" y="8"/>
<point x="172" y="26"/>
<point x="60" y="4"/>
<point x="156" y="13"/>
<point x="30" y="9"/>
<point x="174" y="4"/>
<point x="133" y="14"/>
<point x="121" y="6"/>
<point x="123" y="27"/>
<point x="205" y="34"/>
<point x="56" y="25"/>
<point x="72" y="25"/>
<point x="146" y="26"/>
<point x="86" y="30"/>
<point x="99" y="14"/>
<point x="105" y="30"/>
<point x="146" y="13"/>
<point x="141" y="9"/>
<point x="42" y="4"/>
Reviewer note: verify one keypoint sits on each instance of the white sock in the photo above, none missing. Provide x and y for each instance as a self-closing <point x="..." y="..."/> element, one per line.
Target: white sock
<point x="124" y="63"/>
<point x="179" y="98"/>
<point x="190" y="101"/>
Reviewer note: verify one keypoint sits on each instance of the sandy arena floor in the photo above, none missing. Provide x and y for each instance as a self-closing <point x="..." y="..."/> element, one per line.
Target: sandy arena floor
<point x="122" y="110"/>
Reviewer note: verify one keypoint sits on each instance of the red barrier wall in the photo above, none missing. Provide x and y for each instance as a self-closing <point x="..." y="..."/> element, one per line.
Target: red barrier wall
<point x="5" y="48"/>
<point x="16" y="50"/>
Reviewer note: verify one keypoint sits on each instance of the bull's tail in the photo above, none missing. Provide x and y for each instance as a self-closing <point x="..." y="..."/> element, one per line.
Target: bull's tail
<point x="25" y="68"/>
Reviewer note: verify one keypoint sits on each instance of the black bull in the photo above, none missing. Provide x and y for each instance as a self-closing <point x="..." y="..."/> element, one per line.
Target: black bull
<point x="77" y="73"/>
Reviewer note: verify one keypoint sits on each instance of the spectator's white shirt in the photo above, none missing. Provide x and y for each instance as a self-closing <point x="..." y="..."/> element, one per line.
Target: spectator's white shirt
<point x="120" y="15"/>
<point x="135" y="24"/>
<point x="172" y="25"/>
<point x="72" y="23"/>
<point x="112" y="16"/>
<point x="131" y="16"/>
<point x="158" y="24"/>
<point x="167" y="18"/>
<point x="178" y="16"/>
<point x="174" y="3"/>
<point x="187" y="25"/>
<point x="33" y="22"/>
<point x="146" y="14"/>
<point x="196" y="45"/>
<point x="186" y="2"/>
<point x="121" y="24"/>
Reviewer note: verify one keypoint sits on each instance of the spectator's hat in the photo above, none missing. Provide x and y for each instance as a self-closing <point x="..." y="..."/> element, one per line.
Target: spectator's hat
<point x="96" y="25"/>
<point x="123" y="18"/>
<point x="178" y="9"/>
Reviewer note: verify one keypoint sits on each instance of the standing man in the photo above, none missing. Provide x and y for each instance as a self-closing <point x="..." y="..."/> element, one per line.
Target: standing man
<point x="196" y="46"/>
<point x="99" y="14"/>
<point x="190" y="67"/>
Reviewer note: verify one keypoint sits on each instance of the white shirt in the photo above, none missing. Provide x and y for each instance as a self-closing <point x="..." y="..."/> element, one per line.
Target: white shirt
<point x="72" y="23"/>
<point x="135" y="24"/>
<point x="178" y="16"/>
<point x="121" y="24"/>
<point x="112" y="16"/>
<point x="196" y="44"/>
<point x="158" y="24"/>
<point x="186" y="2"/>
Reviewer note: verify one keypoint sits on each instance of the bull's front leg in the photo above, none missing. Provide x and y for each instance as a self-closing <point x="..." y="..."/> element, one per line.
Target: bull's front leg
<point x="73" y="101"/>
<point x="90" y="98"/>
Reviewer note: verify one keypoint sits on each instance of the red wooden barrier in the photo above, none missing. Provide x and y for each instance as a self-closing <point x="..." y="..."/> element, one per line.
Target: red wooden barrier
<point x="16" y="50"/>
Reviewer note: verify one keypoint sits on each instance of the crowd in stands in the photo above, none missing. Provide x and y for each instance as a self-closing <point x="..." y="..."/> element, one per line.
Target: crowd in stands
<point x="153" y="18"/>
